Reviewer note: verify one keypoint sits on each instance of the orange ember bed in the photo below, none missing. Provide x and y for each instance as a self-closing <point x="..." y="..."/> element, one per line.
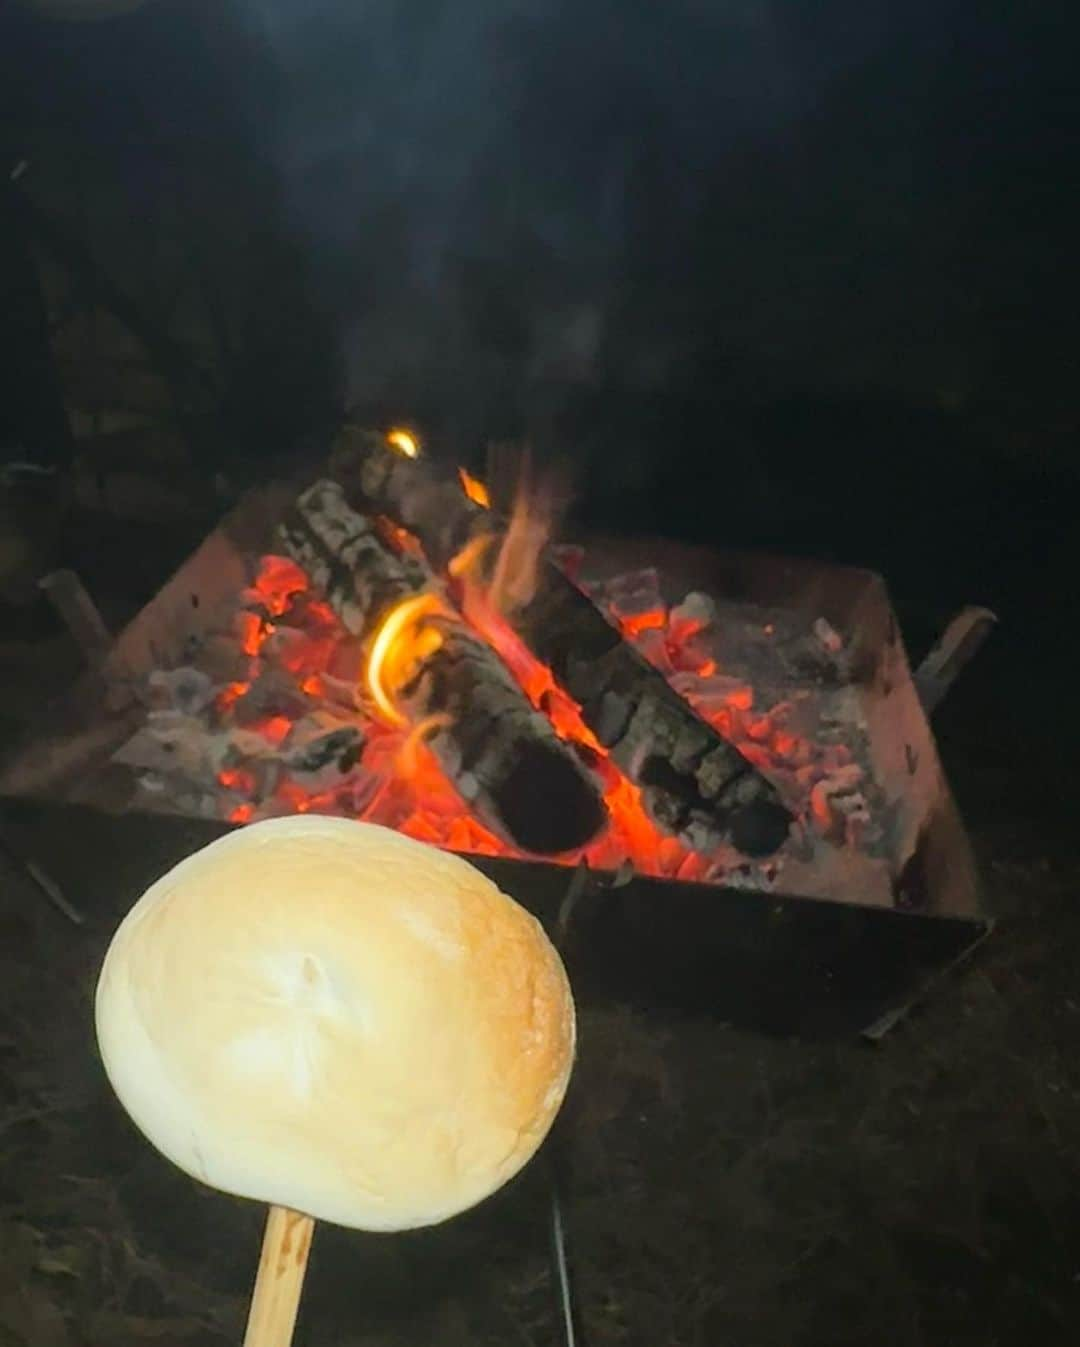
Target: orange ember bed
<point x="239" y="694"/>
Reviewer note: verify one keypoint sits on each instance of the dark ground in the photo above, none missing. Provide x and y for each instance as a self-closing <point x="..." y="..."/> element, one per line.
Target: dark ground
<point x="727" y="1188"/>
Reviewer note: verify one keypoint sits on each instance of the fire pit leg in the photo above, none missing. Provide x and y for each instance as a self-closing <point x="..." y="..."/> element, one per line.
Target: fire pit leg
<point x="955" y="647"/>
<point x="68" y="595"/>
<point x="570" y="1334"/>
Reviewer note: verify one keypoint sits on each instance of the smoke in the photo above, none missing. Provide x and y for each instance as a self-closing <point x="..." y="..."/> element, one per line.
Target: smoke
<point x="543" y="219"/>
<point x="484" y="181"/>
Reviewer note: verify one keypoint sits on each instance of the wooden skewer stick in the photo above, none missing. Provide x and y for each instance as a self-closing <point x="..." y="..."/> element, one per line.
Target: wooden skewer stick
<point x="280" y="1279"/>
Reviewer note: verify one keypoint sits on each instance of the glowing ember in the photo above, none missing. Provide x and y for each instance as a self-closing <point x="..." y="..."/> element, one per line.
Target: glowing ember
<point x="468" y="560"/>
<point x="230" y="694"/>
<point x="655" y="620"/>
<point x="278" y="582"/>
<point x="476" y="491"/>
<point x="632" y="834"/>
<point x="236" y="778"/>
<point x="296" y="737"/>
<point x="274" y="729"/>
<point x="253" y="631"/>
<point x="404" y="442"/>
<point x="408" y="762"/>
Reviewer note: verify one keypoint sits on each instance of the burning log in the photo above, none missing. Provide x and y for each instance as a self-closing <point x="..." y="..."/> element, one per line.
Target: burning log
<point x="695" y="784"/>
<point x="502" y="755"/>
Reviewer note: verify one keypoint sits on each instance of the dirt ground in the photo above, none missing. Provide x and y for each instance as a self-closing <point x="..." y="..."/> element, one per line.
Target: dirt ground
<point x="725" y="1188"/>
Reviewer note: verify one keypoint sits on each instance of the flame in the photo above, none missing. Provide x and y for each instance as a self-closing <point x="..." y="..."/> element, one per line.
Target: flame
<point x="513" y="580"/>
<point x="399" y="783"/>
<point x="278" y="583"/>
<point x="404" y="441"/>
<point x="467" y="562"/>
<point x="408" y="762"/>
<point x="633" y="834"/>
<point x="476" y="491"/>
<point x="403" y="641"/>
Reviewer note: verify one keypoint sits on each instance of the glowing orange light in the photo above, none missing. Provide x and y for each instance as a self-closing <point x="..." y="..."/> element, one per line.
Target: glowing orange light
<point x="237" y="778"/>
<point x="785" y="745"/>
<point x="278" y="583"/>
<point x="300" y="801"/>
<point x="655" y="619"/>
<point x="402" y="785"/>
<point x="408" y="761"/>
<point x="741" y="699"/>
<point x="230" y="694"/>
<point x="398" y="538"/>
<point x="404" y="442"/>
<point x="470" y="556"/>
<point x="403" y="641"/>
<point x="275" y="729"/>
<point x="252" y="631"/>
<point x="476" y="491"/>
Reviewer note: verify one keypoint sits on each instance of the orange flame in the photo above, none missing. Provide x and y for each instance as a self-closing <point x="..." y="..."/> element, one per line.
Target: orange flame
<point x="278" y="583"/>
<point x="402" y="643"/>
<point x="467" y="561"/>
<point x="229" y="694"/>
<point x="400" y="783"/>
<point x="476" y="491"/>
<point x="634" y="831"/>
<point x="404" y="441"/>
<point x="513" y="581"/>
<point x="408" y="759"/>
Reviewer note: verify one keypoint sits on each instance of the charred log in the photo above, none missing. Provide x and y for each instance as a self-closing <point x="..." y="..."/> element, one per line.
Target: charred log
<point x="695" y="784"/>
<point x="502" y="755"/>
<point x="411" y="491"/>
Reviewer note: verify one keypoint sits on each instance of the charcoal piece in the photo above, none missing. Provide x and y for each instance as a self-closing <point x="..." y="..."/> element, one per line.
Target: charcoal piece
<point x="342" y="747"/>
<point x="709" y="783"/>
<point x="634" y="594"/>
<point x="760" y="828"/>
<point x="274" y="693"/>
<point x="697" y="610"/>
<point x="612" y="718"/>
<point x="522" y="780"/>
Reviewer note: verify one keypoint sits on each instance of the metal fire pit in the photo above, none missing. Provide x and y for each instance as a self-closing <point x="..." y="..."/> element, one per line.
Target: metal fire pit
<point x="834" y="949"/>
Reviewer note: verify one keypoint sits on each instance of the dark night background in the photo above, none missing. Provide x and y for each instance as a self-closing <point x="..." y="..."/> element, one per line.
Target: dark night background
<point x="767" y="274"/>
<point x="795" y="276"/>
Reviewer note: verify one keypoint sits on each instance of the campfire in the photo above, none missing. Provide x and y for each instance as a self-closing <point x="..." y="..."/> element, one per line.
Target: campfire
<point x="393" y="640"/>
<point x="406" y="656"/>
